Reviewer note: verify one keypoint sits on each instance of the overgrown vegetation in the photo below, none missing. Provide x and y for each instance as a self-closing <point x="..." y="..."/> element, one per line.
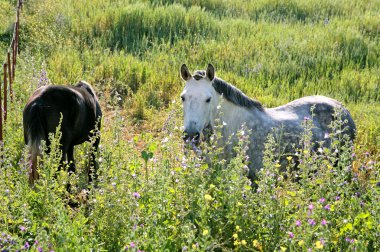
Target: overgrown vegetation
<point x="151" y="194"/>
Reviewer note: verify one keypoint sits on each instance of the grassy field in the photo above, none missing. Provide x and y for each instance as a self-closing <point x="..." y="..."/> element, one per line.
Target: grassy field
<point x="164" y="199"/>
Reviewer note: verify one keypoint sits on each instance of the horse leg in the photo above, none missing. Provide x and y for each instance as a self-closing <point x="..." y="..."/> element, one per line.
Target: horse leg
<point x="70" y="159"/>
<point x="93" y="164"/>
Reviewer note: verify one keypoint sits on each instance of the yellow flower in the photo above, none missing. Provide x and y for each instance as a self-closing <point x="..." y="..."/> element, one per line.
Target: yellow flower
<point x="305" y="151"/>
<point x="289" y="158"/>
<point x="301" y="243"/>
<point x="255" y="243"/>
<point x="205" y="232"/>
<point x="277" y="165"/>
<point x="208" y="197"/>
<point x="239" y="204"/>
<point x="283" y="249"/>
<point x="237" y="228"/>
<point x="243" y="242"/>
<point x="212" y="186"/>
<point x="235" y="235"/>
<point x="319" y="245"/>
<point x="236" y="243"/>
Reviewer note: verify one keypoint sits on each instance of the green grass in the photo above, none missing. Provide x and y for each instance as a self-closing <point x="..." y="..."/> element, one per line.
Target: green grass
<point x="131" y="51"/>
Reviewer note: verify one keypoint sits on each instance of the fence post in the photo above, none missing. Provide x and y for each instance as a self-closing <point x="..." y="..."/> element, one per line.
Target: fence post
<point x="9" y="70"/>
<point x="1" y="109"/>
<point x="5" y="93"/>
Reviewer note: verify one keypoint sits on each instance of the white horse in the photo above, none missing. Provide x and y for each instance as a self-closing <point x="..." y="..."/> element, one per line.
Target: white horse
<point x="207" y="98"/>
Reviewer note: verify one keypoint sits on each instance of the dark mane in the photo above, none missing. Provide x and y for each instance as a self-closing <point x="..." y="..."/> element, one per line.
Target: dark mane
<point x="230" y="92"/>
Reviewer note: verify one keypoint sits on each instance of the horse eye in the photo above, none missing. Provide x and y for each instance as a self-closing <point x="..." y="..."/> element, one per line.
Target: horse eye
<point x="183" y="98"/>
<point x="208" y="100"/>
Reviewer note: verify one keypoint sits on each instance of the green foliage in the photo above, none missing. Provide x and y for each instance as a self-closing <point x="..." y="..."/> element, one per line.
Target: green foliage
<point x="153" y="193"/>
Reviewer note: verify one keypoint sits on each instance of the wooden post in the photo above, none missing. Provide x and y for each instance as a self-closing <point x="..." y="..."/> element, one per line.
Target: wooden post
<point x="1" y="109"/>
<point x="9" y="70"/>
<point x="5" y="92"/>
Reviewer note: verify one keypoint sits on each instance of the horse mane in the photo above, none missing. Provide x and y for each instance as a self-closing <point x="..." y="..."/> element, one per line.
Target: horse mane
<point x="230" y="92"/>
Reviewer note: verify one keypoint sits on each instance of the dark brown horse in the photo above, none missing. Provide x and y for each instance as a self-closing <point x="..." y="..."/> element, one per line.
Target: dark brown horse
<point x="77" y="107"/>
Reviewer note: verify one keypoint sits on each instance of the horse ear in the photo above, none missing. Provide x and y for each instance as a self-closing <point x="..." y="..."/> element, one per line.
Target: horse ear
<point x="185" y="73"/>
<point x="210" y="72"/>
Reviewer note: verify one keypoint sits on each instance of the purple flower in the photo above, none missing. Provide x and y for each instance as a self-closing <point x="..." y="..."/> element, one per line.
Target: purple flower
<point x="327" y="207"/>
<point x="337" y="198"/>
<point x="39" y="249"/>
<point x="323" y="222"/>
<point x="136" y="195"/>
<point x="311" y="207"/>
<point x="26" y="245"/>
<point x="306" y="118"/>
<point x="22" y="228"/>
<point x="291" y="235"/>
<point x="311" y="222"/>
<point x="298" y="223"/>
<point x="321" y="200"/>
<point x="132" y="244"/>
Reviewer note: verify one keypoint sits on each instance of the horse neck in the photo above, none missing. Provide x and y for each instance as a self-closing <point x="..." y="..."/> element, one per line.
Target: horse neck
<point x="234" y="117"/>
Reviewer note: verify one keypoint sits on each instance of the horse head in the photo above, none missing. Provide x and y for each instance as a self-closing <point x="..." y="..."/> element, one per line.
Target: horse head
<point x="199" y="100"/>
<point x="86" y="86"/>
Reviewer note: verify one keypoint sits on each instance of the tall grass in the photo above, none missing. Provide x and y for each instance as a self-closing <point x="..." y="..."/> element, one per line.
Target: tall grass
<point x="151" y="195"/>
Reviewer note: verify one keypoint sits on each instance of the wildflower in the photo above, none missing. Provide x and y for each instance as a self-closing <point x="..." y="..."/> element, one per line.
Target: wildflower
<point x="327" y="207"/>
<point x="301" y="243"/>
<point x="323" y="222"/>
<point x="305" y="151"/>
<point x="255" y="243"/>
<point x="205" y="232"/>
<point x="306" y="118"/>
<point x="238" y="229"/>
<point x="283" y="249"/>
<point x="311" y="207"/>
<point x="39" y="249"/>
<point x="136" y="195"/>
<point x="26" y="246"/>
<point x="298" y="223"/>
<point x="321" y="200"/>
<point x="236" y="243"/>
<point x="319" y="245"/>
<point x="289" y="158"/>
<point x="277" y="165"/>
<point x="243" y="242"/>
<point x="212" y="186"/>
<point x="132" y="245"/>
<point x="311" y="222"/>
<point x="208" y="197"/>
<point x="22" y="228"/>
<point x="291" y="235"/>
<point x="337" y="198"/>
<point x="235" y="235"/>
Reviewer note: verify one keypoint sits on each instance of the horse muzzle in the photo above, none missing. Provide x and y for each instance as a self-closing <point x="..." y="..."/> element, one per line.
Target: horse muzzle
<point x="191" y="137"/>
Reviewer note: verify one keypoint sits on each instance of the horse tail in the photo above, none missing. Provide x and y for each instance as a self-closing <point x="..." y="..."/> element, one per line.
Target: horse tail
<point x="34" y="133"/>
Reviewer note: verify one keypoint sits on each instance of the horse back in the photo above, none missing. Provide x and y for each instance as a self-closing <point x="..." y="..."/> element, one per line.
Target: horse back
<point x="73" y="107"/>
<point x="322" y="110"/>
